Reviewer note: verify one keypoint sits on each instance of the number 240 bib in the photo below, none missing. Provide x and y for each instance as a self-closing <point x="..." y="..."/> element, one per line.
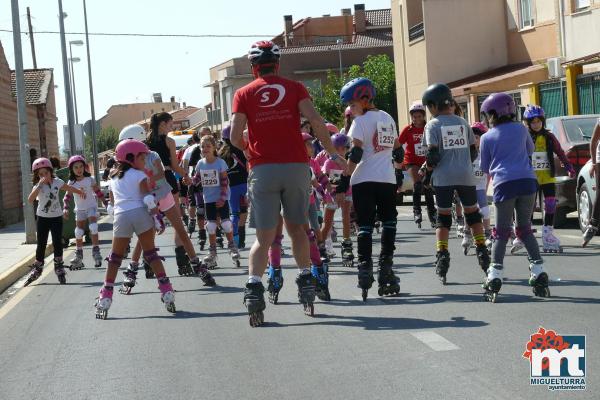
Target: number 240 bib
<point x="454" y="137"/>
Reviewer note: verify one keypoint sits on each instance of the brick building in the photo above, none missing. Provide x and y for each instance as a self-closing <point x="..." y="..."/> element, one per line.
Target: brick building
<point x="310" y="47"/>
<point x="43" y="139"/>
<point x="120" y="115"/>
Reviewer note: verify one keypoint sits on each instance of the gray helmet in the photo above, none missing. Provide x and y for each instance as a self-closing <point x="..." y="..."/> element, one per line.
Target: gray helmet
<point x="438" y="95"/>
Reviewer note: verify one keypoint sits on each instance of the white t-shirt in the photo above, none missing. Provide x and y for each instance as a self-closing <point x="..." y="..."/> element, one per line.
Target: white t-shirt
<point x="49" y="206"/>
<point x="126" y="191"/>
<point x="481" y="177"/>
<point x="90" y="200"/>
<point x="377" y="131"/>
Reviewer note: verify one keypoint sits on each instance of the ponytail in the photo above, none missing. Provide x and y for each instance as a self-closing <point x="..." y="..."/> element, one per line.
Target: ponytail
<point x="155" y="121"/>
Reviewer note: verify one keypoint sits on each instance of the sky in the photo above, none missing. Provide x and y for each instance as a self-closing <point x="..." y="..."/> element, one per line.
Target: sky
<point x="130" y="69"/>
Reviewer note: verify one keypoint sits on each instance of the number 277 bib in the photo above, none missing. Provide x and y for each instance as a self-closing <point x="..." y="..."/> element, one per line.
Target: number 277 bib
<point x="454" y="137"/>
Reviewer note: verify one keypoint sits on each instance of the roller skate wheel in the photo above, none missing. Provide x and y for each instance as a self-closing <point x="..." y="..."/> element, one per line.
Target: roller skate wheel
<point x="465" y="250"/>
<point x="381" y="291"/>
<point x="365" y="294"/>
<point x="62" y="280"/>
<point x="171" y="308"/>
<point x="101" y="314"/>
<point x="256" y="319"/>
<point x="125" y="289"/>
<point x="443" y="280"/>
<point x="237" y="263"/>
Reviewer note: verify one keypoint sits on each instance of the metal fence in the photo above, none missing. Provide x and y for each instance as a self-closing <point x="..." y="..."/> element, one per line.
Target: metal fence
<point x="588" y="93"/>
<point x="416" y="32"/>
<point x="553" y="98"/>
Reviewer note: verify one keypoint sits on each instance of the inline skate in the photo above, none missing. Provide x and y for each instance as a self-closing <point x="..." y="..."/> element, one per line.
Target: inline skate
<point x="97" y="257"/>
<point x="550" y="243"/>
<point x="274" y="283"/>
<point x="59" y="270"/>
<point x="589" y="234"/>
<point x="389" y="283"/>
<point x="130" y="276"/>
<point x="76" y="262"/>
<point x="347" y="255"/>
<point x="184" y="267"/>
<point x="493" y="282"/>
<point x="442" y="265"/>
<point x="306" y="283"/>
<point x="418" y="217"/>
<point x="254" y="301"/>
<point x="37" y="269"/>
<point x="321" y="275"/>
<point x="202" y="238"/>
<point x="191" y="225"/>
<point x="538" y="279"/>
<point x="467" y="240"/>
<point x="167" y="295"/>
<point x="103" y="302"/>
<point x="211" y="259"/>
<point x="234" y="253"/>
<point x="365" y="277"/>
<point x="201" y="270"/>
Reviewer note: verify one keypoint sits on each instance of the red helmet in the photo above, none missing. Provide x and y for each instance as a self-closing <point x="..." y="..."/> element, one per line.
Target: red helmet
<point x="264" y="52"/>
<point x="74" y="159"/>
<point x="129" y="146"/>
<point x="331" y="128"/>
<point x="41" y="163"/>
<point x="480" y="126"/>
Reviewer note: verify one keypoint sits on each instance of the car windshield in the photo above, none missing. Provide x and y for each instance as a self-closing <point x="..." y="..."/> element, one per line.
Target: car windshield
<point x="580" y="129"/>
<point x="180" y="140"/>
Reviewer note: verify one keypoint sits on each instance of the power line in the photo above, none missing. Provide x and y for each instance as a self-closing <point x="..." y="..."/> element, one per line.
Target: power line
<point x="172" y="35"/>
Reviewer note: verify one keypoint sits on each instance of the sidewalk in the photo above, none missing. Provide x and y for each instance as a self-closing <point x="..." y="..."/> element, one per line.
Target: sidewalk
<point x="15" y="256"/>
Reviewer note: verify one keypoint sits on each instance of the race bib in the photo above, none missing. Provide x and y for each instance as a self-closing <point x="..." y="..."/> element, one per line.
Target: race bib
<point x="335" y="174"/>
<point x="539" y="161"/>
<point x="210" y="178"/>
<point x="477" y="171"/>
<point x="386" y="134"/>
<point x="454" y="137"/>
<point x="420" y="150"/>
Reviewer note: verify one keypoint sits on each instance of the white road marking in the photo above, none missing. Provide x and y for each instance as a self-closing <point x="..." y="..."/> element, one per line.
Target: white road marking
<point x="434" y="341"/>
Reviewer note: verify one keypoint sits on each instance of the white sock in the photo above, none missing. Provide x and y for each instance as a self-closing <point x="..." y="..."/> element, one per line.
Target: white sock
<point x="254" y="279"/>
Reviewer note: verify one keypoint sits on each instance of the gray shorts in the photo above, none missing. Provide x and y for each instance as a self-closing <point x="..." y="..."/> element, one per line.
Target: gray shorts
<point x="136" y="221"/>
<point x="275" y="186"/>
<point x="83" y="215"/>
<point x="313" y="217"/>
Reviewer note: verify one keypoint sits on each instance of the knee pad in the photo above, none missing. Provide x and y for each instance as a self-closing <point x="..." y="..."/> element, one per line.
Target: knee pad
<point x="211" y="227"/>
<point x="365" y="231"/>
<point x="200" y="212"/>
<point x="152" y="255"/>
<point x="418" y="187"/>
<point x="485" y="212"/>
<point x="114" y="259"/>
<point x="503" y="233"/>
<point x="149" y="201"/>
<point x="94" y="228"/>
<point x="227" y="225"/>
<point x="523" y="231"/>
<point x="550" y="205"/>
<point x="473" y="218"/>
<point x="79" y="233"/>
<point x="444" y="221"/>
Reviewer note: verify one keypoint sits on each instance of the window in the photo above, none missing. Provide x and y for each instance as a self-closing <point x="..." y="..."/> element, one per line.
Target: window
<point x="579" y="4"/>
<point x="526" y="13"/>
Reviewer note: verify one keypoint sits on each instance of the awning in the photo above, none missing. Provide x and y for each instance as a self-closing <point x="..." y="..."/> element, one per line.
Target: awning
<point x="500" y="80"/>
<point x="589" y="59"/>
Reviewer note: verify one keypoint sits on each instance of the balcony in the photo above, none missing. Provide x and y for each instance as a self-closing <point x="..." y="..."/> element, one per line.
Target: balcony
<point x="214" y="117"/>
<point x="416" y="32"/>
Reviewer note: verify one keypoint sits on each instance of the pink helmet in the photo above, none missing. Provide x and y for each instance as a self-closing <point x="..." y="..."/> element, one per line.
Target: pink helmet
<point x="331" y="128"/>
<point x="76" y="158"/>
<point x="41" y="163"/>
<point x="480" y="126"/>
<point x="306" y="136"/>
<point x="130" y="146"/>
<point x="416" y="106"/>
<point x="347" y="112"/>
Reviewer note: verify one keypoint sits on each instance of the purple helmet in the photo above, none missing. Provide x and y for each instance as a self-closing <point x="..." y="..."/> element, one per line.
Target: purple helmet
<point x="226" y="133"/>
<point x="339" y="140"/>
<point x="500" y="104"/>
<point x="533" y="111"/>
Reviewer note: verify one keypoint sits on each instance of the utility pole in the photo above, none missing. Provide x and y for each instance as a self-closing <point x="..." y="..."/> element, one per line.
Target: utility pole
<point x="23" y="134"/>
<point x="31" y="39"/>
<point x="93" y="119"/>
<point x="67" y="84"/>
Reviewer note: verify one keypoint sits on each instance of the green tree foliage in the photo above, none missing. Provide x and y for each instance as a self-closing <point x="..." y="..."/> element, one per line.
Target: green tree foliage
<point x="379" y="69"/>
<point x="106" y="139"/>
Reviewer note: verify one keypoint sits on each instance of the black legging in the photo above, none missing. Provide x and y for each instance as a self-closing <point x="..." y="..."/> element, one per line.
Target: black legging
<point x="45" y="226"/>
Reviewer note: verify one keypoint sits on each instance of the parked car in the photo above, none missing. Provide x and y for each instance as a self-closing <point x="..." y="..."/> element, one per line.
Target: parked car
<point x="586" y="195"/>
<point x="573" y="133"/>
<point x="180" y="137"/>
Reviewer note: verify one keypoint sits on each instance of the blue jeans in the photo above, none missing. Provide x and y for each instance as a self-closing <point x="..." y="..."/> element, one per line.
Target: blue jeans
<point x="238" y="204"/>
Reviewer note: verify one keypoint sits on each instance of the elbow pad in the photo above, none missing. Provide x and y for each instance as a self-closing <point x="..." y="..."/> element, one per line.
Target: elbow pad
<point x="398" y="155"/>
<point x="356" y="154"/>
<point x="474" y="152"/>
<point x="433" y="157"/>
<point x="149" y="202"/>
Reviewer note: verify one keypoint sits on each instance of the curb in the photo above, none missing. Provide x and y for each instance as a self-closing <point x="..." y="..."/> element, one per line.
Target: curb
<point x="16" y="272"/>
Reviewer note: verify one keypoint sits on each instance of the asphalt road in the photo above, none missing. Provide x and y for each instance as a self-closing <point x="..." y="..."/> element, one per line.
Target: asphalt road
<point x="431" y="342"/>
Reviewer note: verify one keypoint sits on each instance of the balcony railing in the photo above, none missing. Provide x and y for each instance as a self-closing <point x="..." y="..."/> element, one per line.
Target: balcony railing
<point x="416" y="32"/>
<point x="214" y="117"/>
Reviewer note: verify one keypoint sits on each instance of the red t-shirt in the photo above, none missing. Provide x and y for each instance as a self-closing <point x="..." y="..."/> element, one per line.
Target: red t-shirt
<point x="271" y="105"/>
<point x="412" y="135"/>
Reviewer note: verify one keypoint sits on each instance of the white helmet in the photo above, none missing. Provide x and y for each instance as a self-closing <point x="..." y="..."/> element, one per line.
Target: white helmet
<point x="416" y="106"/>
<point x="133" y="131"/>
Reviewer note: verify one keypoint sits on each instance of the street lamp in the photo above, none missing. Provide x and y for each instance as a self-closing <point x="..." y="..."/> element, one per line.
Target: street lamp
<point x="74" y="60"/>
<point x="339" y="42"/>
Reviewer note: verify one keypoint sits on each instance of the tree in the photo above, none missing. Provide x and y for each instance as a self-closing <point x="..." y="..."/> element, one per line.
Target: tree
<point x="379" y="69"/>
<point x="106" y="139"/>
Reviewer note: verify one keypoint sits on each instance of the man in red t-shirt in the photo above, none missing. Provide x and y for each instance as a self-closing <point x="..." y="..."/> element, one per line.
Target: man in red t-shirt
<point x="414" y="157"/>
<point x="279" y="173"/>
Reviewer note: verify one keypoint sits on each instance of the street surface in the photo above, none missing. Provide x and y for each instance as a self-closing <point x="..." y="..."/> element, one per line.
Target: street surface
<point x="431" y="342"/>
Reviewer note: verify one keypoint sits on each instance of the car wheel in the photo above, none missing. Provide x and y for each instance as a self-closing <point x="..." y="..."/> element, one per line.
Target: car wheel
<point x="584" y="207"/>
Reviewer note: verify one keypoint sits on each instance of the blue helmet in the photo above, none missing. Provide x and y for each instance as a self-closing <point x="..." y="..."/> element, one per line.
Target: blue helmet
<point x="357" y="89"/>
<point x="532" y="111"/>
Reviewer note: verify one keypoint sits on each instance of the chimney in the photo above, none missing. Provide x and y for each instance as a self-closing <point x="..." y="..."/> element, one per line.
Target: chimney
<point x="173" y="106"/>
<point x="360" y="18"/>
<point x="157" y="97"/>
<point x="287" y="29"/>
<point x="184" y="105"/>
<point x="346" y="12"/>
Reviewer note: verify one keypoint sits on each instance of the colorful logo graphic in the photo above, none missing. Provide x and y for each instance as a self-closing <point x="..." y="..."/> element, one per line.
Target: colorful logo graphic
<point x="557" y="361"/>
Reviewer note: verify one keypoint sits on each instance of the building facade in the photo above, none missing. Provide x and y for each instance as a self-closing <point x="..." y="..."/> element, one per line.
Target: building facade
<point x="42" y="132"/>
<point x="120" y="115"/>
<point x="310" y="48"/>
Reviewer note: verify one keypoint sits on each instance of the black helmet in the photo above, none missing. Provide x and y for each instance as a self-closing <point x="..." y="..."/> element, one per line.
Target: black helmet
<point x="438" y="95"/>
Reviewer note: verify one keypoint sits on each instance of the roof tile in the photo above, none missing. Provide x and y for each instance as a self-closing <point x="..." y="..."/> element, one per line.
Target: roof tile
<point x="37" y="85"/>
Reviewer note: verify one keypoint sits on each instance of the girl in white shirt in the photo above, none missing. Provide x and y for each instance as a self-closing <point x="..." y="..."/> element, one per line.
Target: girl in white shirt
<point x="131" y="198"/>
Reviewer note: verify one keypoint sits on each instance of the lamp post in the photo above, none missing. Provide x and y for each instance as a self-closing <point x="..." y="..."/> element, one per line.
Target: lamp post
<point x="74" y="60"/>
<point x="339" y="42"/>
<point x="93" y="119"/>
<point x="67" y="83"/>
